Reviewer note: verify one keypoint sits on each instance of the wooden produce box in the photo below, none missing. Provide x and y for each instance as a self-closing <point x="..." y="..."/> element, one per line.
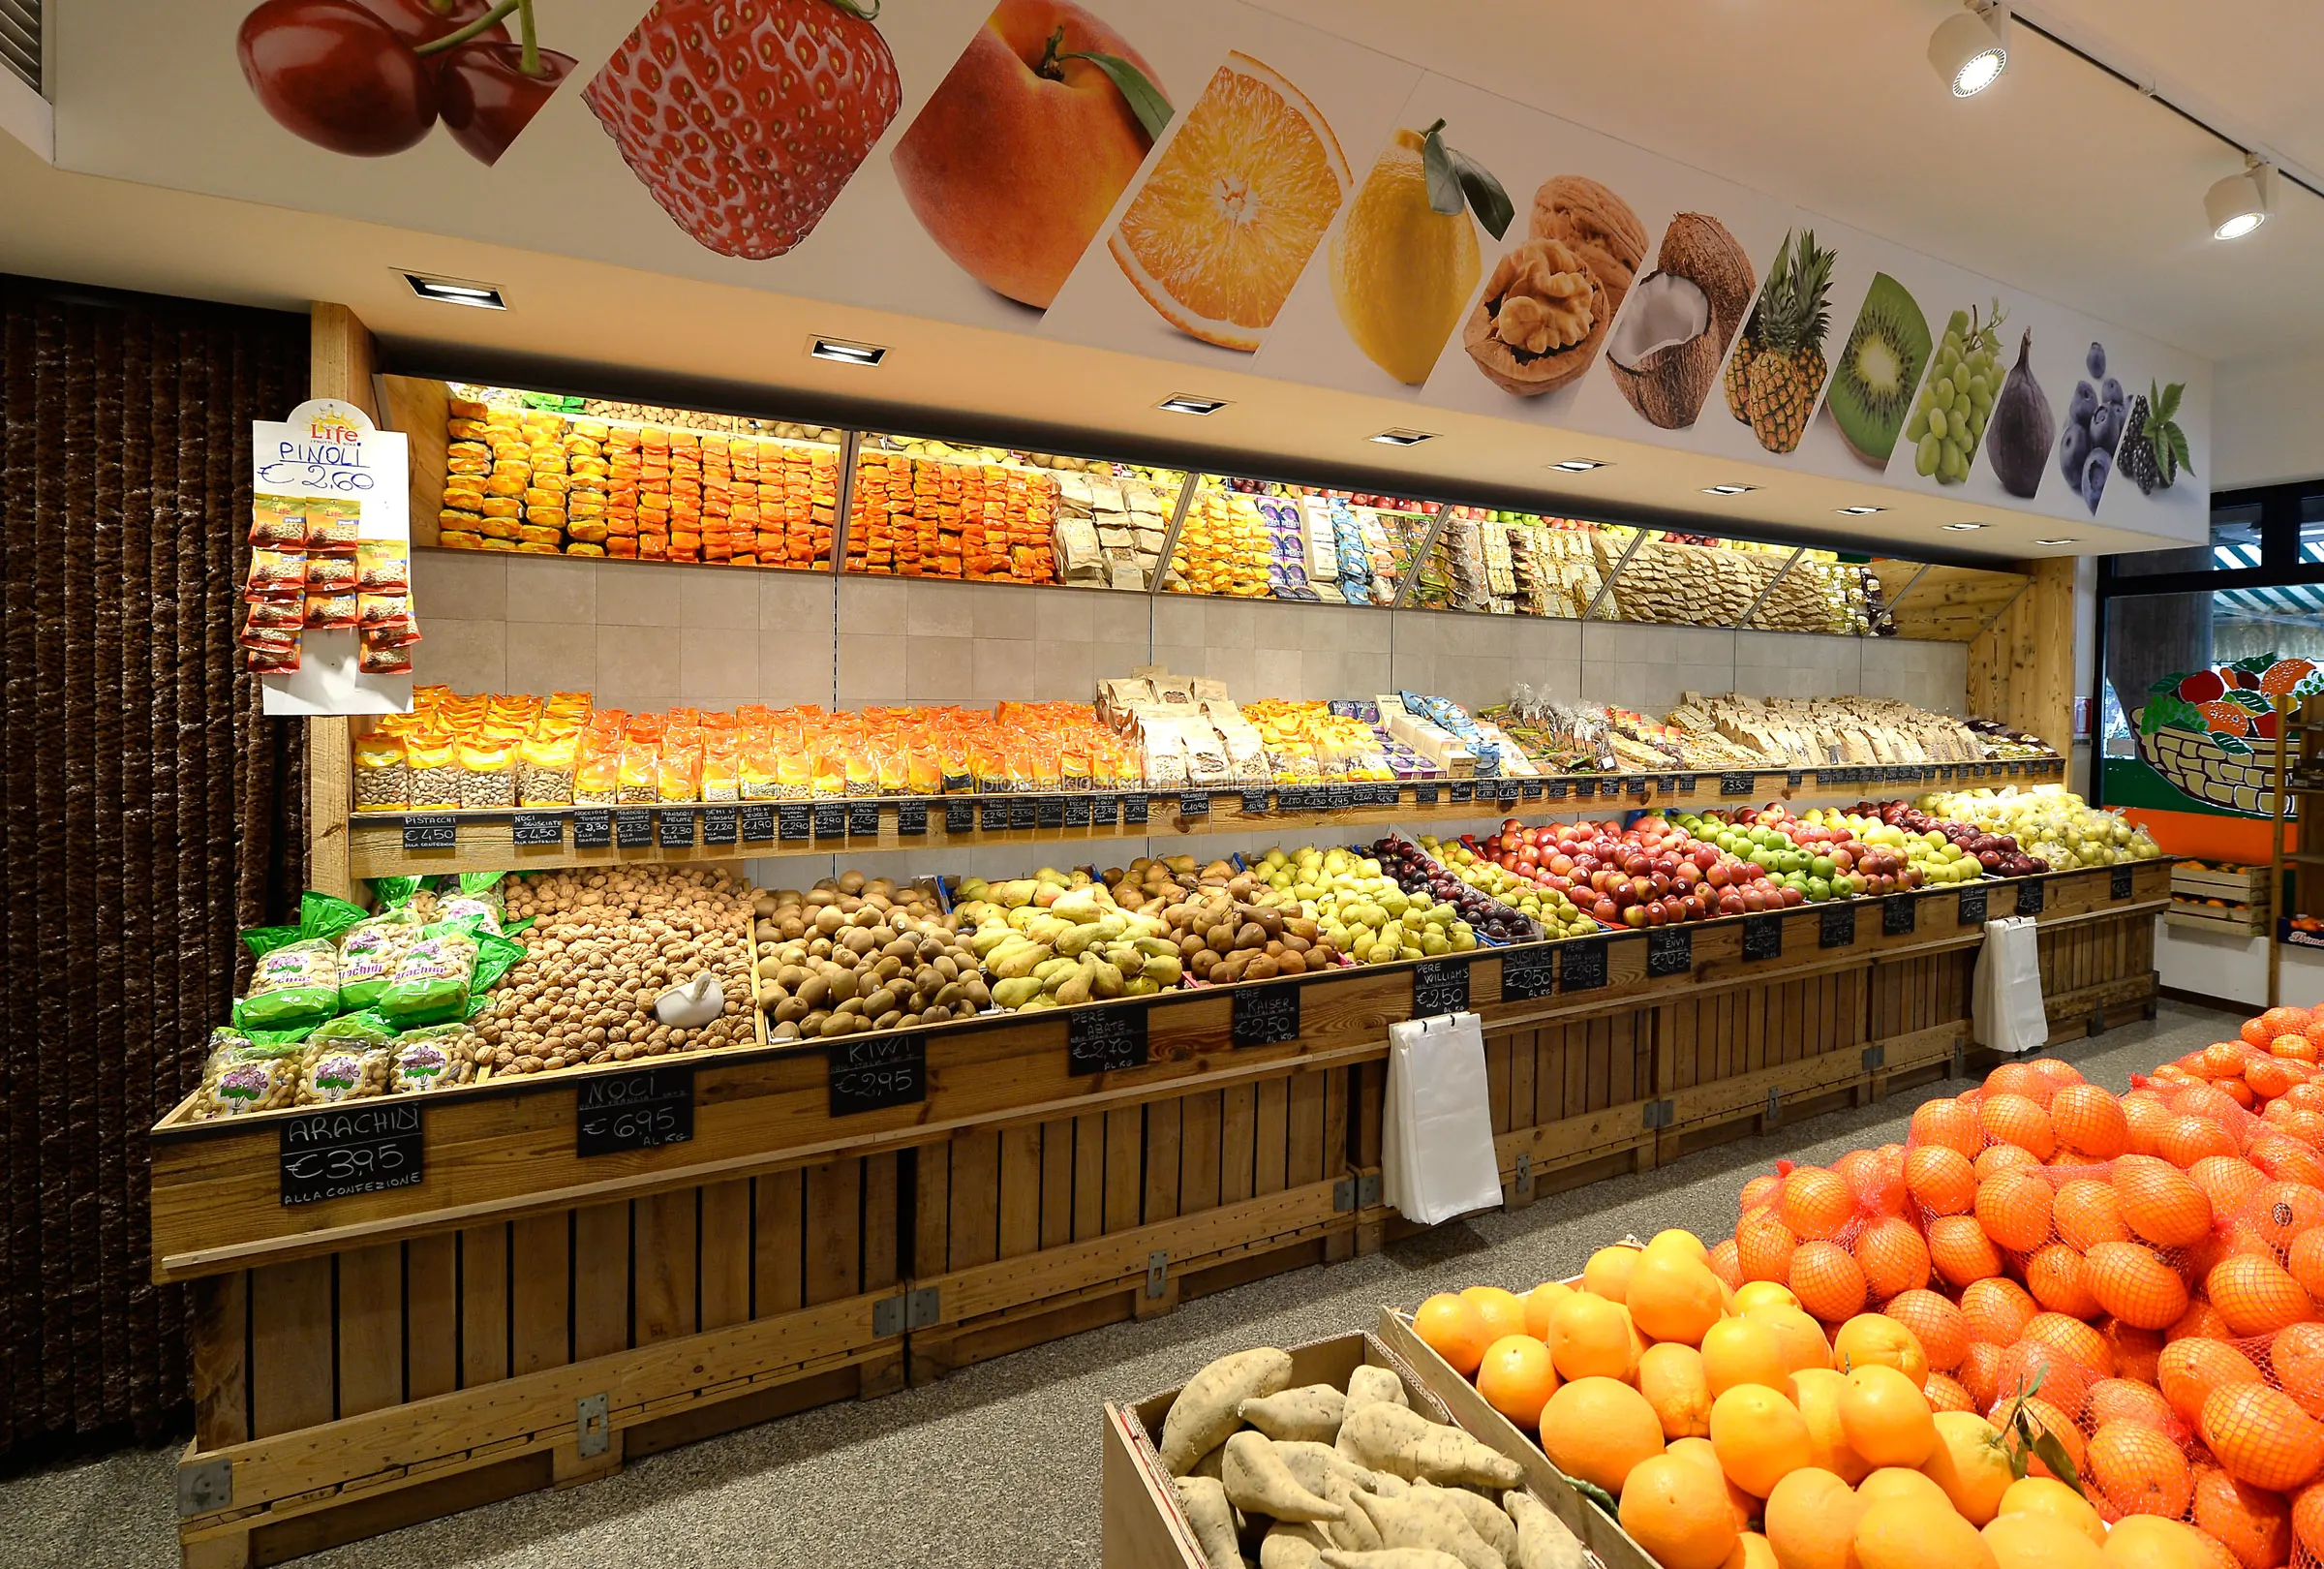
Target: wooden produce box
<point x="1143" y="1527"/>
<point x="2236" y="884"/>
<point x="1600" y="1532"/>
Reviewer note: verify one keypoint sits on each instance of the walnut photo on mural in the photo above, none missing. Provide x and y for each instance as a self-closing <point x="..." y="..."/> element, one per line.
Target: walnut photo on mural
<point x="1550" y="300"/>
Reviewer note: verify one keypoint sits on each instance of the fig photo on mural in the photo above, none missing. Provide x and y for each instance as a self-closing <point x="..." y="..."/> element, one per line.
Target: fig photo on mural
<point x="1551" y="300"/>
<point x="744" y="122"/>
<point x="372" y="77"/>
<point x="1015" y="161"/>
<point x="1233" y="206"/>
<point x="1404" y="261"/>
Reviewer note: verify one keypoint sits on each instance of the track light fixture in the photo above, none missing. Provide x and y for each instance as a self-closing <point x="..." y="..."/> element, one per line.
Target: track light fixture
<point x="1971" y="52"/>
<point x="2241" y="202"/>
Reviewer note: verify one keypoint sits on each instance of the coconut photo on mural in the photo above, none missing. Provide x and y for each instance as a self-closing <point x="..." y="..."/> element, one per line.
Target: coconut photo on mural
<point x="2212" y="733"/>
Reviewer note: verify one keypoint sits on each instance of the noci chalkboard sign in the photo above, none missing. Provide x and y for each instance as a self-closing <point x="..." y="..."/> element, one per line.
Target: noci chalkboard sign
<point x="1105" y="1040"/>
<point x="1764" y="936"/>
<point x="536" y="828"/>
<point x="1265" y="1015"/>
<point x="1583" y="968"/>
<point x="1438" y="986"/>
<point x="1838" y="928"/>
<point x="367" y="1147"/>
<point x="642" y="1110"/>
<point x="873" y="1072"/>
<point x="1669" y="950"/>
<point x="1528" y="971"/>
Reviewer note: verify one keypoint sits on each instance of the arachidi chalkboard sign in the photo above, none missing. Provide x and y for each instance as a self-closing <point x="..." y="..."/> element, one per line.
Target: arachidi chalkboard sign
<point x="1764" y="936"/>
<point x="718" y="824"/>
<point x="872" y="1072"/>
<point x="1837" y="927"/>
<point x="794" y="822"/>
<point x="2117" y="882"/>
<point x="1105" y="1040"/>
<point x="641" y="1110"/>
<point x="757" y="823"/>
<point x="2030" y="897"/>
<point x="863" y="820"/>
<point x="1583" y="967"/>
<point x="367" y="1147"/>
<point x="431" y="830"/>
<point x="674" y="827"/>
<point x="911" y="819"/>
<point x="1669" y="950"/>
<point x="1898" y="915"/>
<point x="633" y="827"/>
<point x="960" y="816"/>
<point x="1528" y="971"/>
<point x="593" y="828"/>
<point x="1265" y="1015"/>
<point x="1438" y="986"/>
<point x="536" y="828"/>
<point x="1971" y="911"/>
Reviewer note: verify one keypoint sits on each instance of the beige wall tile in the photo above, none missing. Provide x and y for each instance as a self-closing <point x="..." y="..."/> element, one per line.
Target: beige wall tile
<point x="874" y="602"/>
<point x="1232" y="622"/>
<point x="718" y="597"/>
<point x="1070" y="615"/>
<point x="872" y="668"/>
<point x="559" y="588"/>
<point x="463" y="585"/>
<point x="990" y="669"/>
<point x="639" y="594"/>
<point x="794" y="669"/>
<point x="939" y="668"/>
<point x="795" y="599"/>
<point x="552" y="656"/>
<point x="715" y="660"/>
<point x="640" y="662"/>
<point x="1004" y="612"/>
<point x="1065" y="671"/>
<point x="1110" y="659"/>
<point x="941" y="609"/>
<point x="1267" y="673"/>
<point x="466" y="656"/>
<point x="1177" y="620"/>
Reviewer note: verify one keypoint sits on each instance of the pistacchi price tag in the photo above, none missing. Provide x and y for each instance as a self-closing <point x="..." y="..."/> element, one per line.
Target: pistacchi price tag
<point x="593" y="828"/>
<point x="633" y="827"/>
<point x="434" y="830"/>
<point x="536" y="828"/>
<point x="1837" y="928"/>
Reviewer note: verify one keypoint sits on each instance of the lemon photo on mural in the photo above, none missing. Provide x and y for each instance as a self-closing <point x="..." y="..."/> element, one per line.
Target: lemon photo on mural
<point x="1233" y="206"/>
<point x="1405" y="259"/>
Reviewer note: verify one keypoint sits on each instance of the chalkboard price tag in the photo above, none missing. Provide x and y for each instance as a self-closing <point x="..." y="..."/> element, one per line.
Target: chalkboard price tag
<point x="1637" y="783"/>
<point x="1838" y="928"/>
<point x="1528" y="971"/>
<point x="1506" y="793"/>
<point x="720" y="824"/>
<point x="872" y="1072"/>
<point x="1792" y="780"/>
<point x="1463" y="789"/>
<point x="1971" y="910"/>
<point x="1048" y="812"/>
<point x="366" y="1146"/>
<point x="2117" y="882"/>
<point x="641" y="1110"/>
<point x="1438" y="986"/>
<point x="1764" y="936"/>
<point x="1105" y="811"/>
<point x="995" y="815"/>
<point x="794" y="822"/>
<point x="831" y="819"/>
<point x="2030" y="897"/>
<point x="1583" y="969"/>
<point x="911" y="819"/>
<point x="1734" y="783"/>
<point x="1899" y="913"/>
<point x="593" y="828"/>
<point x="1105" y="1040"/>
<point x="1077" y="812"/>
<point x="1585" y="789"/>
<point x="1265" y="1015"/>
<point x="1424" y="794"/>
<point x="674" y="826"/>
<point x="434" y="830"/>
<point x="1135" y="808"/>
<point x="1339" y="797"/>
<point x="1194" y="803"/>
<point x="1669" y="950"/>
<point x="1254" y="803"/>
<point x="863" y="820"/>
<point x="537" y="828"/>
<point x="1688" y="783"/>
<point x="1532" y="789"/>
<point x="633" y="827"/>
<point x="1020" y="812"/>
<point x="960" y="816"/>
<point x="1559" y="789"/>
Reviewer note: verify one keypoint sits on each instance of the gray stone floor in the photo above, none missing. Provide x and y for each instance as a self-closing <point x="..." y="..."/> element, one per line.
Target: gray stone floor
<point x="997" y="1465"/>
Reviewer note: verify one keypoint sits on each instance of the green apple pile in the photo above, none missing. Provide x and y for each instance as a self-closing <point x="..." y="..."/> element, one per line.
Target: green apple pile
<point x="2051" y="822"/>
<point x="1361" y="911"/>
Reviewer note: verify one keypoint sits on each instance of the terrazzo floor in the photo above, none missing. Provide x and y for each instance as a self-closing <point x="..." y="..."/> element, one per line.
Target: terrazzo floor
<point x="996" y="1465"/>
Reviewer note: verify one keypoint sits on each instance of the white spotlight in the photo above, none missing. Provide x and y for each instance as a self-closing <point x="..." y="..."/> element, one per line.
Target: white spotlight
<point x="2240" y="203"/>
<point x="1971" y="52"/>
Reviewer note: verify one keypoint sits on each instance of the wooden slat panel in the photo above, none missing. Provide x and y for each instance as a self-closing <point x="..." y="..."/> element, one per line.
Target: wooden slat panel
<point x="778" y="1250"/>
<point x="220" y="1375"/>
<point x="1088" y="1176"/>
<point x="291" y="1346"/>
<point x="371" y="1329"/>
<point x="1270" y="1134"/>
<point x="601" y="1280"/>
<point x="1236" y="1141"/>
<point x="431" y="1308"/>
<point x="541" y="1270"/>
<point x="1125" y="1167"/>
<point x="1162" y="1119"/>
<point x="665" y="1281"/>
<point x="725" y="1254"/>
<point x="932" y="1208"/>
<point x="1497" y="1050"/>
<point x="834" y="1224"/>
<point x="484" y="1306"/>
<point x="1018" y="1224"/>
<point x="1371" y="1101"/>
<point x="1056" y="1183"/>
<point x="1305" y="1153"/>
<point x="1198" y="1153"/>
<point x="882" y="1176"/>
<point x="1524" y="1078"/>
<point x="975" y="1199"/>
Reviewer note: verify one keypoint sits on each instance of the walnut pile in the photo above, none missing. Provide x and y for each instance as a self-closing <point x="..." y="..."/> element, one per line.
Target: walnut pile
<point x="606" y="943"/>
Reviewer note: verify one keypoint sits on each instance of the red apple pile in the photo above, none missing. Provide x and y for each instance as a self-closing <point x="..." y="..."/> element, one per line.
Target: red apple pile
<point x="1652" y="873"/>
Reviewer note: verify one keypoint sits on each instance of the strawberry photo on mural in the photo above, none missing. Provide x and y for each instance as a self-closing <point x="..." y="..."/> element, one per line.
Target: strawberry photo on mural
<point x="372" y="77"/>
<point x="744" y="119"/>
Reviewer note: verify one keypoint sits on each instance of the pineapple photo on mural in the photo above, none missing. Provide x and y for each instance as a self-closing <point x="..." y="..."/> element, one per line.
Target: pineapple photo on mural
<point x="1779" y="367"/>
<point x="2204" y="731"/>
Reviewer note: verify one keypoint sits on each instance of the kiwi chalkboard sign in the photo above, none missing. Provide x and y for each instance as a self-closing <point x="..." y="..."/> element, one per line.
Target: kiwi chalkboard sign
<point x="593" y="828"/>
<point x="2030" y="897"/>
<point x="1669" y="950"/>
<point x="1764" y="936"/>
<point x="1971" y="910"/>
<point x="1528" y="971"/>
<point x="1105" y="1040"/>
<point x="1898" y="915"/>
<point x="1438" y="986"/>
<point x="1837" y="927"/>
<point x="875" y="1072"/>
<point x="1265" y="1015"/>
<point x="642" y="1110"/>
<point x="1583" y="969"/>
<point x="366" y="1146"/>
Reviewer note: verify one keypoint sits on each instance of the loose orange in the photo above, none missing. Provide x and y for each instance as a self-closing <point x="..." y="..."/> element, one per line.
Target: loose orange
<point x="1597" y="1429"/>
<point x="1699" y="1451"/>
<point x="2090" y="1122"/>
<point x="1801" y="1338"/>
<point x="1893" y="1257"/>
<point x="1827" y="1280"/>
<point x="1537" y="1305"/>
<point x="2014" y="1209"/>
<point x="2036" y="1542"/>
<point x="1944" y="1123"/>
<point x="1451" y="1327"/>
<point x="1961" y="1252"/>
<point x="2251" y="1522"/>
<point x="1752" y="1552"/>
<point x="2260" y="1435"/>
<point x="1940" y="1180"/>
<point x="1811" y="1520"/>
<point x="1737" y="1351"/>
<point x="2052" y="1499"/>
<point x="1673" y="1510"/>
<point x="1817" y="1391"/>
<point x="1997" y="1310"/>
<point x="2151" y="1542"/>
<point x="2140" y="1471"/>
<point x="1591" y="1338"/>
<point x="1886" y="1418"/>
<point x="2191" y="1370"/>
<point x="1673" y="1297"/>
<point x="2059" y="1281"/>
<point x="1760" y="1437"/>
<point x="1936" y="1323"/>
<point x="1517" y="1378"/>
<point x="1818" y="1204"/>
<point x="1504" y="1312"/>
<point x="1763" y="1294"/>
<point x="1906" y="1533"/>
<point x="1608" y="1272"/>
<point x="2134" y="1285"/>
<point x="1970" y="1464"/>
<point x="2256" y="1295"/>
<point x="1877" y="1339"/>
<point x="1671" y="1376"/>
<point x="2086" y="1213"/>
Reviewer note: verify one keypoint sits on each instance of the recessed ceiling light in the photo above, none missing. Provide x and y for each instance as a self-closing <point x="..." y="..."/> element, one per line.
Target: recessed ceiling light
<point x="1860" y="511"/>
<point x="2063" y="539"/>
<point x="456" y="292"/>
<point x="1183" y="404"/>
<point x="1728" y="490"/>
<point x="1970" y="51"/>
<point x="1964" y="528"/>
<point x="2240" y="203"/>
<point x="1402" y="438"/>
<point x="846" y="353"/>
<point x="1579" y="465"/>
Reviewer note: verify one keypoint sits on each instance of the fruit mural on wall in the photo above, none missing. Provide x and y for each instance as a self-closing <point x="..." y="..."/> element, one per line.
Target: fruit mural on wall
<point x="744" y="122"/>
<point x="1405" y="261"/>
<point x="2204" y="731"/>
<point x="1779" y="367"/>
<point x="1877" y="370"/>
<point x="1233" y="206"/>
<point x="1948" y="421"/>
<point x="1664" y="353"/>
<point x="1553" y="299"/>
<point x="2017" y="442"/>
<point x="372" y="77"/>
<point x="1015" y="161"/>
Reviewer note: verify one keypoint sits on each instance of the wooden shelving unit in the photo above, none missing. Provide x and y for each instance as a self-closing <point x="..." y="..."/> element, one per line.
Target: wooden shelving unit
<point x="2299" y="788"/>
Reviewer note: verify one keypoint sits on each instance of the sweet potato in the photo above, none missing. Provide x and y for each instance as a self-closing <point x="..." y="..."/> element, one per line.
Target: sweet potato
<point x="1203" y="1415"/>
<point x="1310" y="1463"/>
<point x="1257" y="1482"/>
<point x="1311" y="1412"/>
<point x="1391" y="1438"/>
<point x="1544" y="1541"/>
<point x="1484" y="1515"/>
<point x="1213" y="1520"/>
<point x="1375" y="1384"/>
<point x="1292" y="1544"/>
<point x="1424" y="1518"/>
<point x="1353" y="1529"/>
<point x="1387" y="1559"/>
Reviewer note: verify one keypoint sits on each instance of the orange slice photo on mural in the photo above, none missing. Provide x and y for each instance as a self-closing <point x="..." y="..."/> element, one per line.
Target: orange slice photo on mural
<point x="1233" y="206"/>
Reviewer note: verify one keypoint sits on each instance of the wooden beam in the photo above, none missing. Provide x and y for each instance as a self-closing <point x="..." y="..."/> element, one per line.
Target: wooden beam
<point x="340" y="359"/>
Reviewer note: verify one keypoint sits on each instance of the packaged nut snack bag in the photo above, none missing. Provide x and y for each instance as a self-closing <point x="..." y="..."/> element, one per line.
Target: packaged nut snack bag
<point x="382" y="781"/>
<point x="369" y="952"/>
<point x="545" y="770"/>
<point x="721" y="767"/>
<point x="294" y="984"/>
<point x="596" y="768"/>
<point x="678" y="775"/>
<point x="432" y="764"/>
<point x="435" y="1056"/>
<point x="487" y="773"/>
<point x="278" y="522"/>
<point x="474" y="896"/>
<point x="431" y="982"/>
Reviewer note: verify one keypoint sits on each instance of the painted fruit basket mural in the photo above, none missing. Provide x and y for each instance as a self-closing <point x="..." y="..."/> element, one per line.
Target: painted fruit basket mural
<point x="2212" y="733"/>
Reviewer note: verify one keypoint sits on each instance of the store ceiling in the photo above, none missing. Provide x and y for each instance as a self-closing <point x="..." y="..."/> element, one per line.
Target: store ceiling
<point x="2061" y="181"/>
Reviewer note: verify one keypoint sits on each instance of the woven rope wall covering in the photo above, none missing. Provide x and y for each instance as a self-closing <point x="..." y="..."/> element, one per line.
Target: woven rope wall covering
<point x="146" y="809"/>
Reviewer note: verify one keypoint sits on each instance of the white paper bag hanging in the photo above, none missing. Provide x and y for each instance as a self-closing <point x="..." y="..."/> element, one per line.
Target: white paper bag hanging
<point x="1436" y="1156"/>
<point x="2005" y="1007"/>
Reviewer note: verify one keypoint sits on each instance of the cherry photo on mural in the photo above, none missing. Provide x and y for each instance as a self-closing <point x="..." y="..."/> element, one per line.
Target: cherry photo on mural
<point x="744" y="122"/>
<point x="372" y="77"/>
